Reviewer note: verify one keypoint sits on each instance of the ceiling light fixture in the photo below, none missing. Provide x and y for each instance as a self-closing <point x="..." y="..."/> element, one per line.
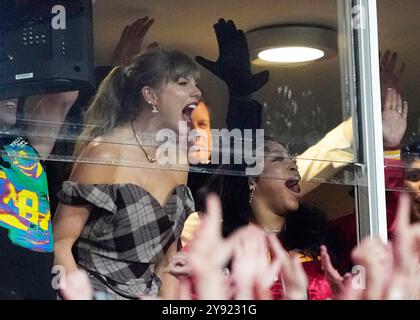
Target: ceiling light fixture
<point x="291" y="45"/>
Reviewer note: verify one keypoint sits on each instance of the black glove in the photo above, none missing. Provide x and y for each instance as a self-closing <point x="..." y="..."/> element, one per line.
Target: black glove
<point x="233" y="65"/>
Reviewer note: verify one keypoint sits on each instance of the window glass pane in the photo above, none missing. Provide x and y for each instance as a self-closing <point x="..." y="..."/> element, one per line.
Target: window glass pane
<point x="399" y="69"/>
<point x="138" y="132"/>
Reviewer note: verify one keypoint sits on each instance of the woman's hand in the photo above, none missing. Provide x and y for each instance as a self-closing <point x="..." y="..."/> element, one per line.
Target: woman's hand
<point x="389" y="77"/>
<point x="337" y="282"/>
<point x="292" y="274"/>
<point x="208" y="254"/>
<point x="131" y="41"/>
<point x="394" y="118"/>
<point x="405" y="281"/>
<point x="376" y="259"/>
<point x="251" y="265"/>
<point x="233" y="65"/>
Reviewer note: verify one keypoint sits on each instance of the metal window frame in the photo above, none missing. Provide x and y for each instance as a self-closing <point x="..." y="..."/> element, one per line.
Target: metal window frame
<point x="358" y="26"/>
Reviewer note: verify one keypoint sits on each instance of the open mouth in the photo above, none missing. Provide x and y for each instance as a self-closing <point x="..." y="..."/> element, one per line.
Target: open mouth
<point x="11" y="105"/>
<point x="187" y="111"/>
<point x="293" y="184"/>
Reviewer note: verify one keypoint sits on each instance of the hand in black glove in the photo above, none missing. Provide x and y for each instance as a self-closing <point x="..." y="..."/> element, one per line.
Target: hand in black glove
<point x="233" y="65"/>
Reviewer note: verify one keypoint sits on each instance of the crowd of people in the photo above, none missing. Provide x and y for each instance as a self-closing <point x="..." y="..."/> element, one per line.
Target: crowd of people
<point x="120" y="231"/>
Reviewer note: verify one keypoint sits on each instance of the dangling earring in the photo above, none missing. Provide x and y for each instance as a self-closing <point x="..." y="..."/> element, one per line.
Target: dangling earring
<point x="251" y="196"/>
<point x="155" y="110"/>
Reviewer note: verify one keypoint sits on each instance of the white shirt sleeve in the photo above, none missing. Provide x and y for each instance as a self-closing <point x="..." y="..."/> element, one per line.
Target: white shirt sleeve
<point x="327" y="157"/>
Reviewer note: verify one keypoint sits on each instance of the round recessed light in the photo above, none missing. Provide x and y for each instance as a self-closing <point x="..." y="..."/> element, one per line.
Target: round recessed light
<point x="291" y="54"/>
<point x="291" y="45"/>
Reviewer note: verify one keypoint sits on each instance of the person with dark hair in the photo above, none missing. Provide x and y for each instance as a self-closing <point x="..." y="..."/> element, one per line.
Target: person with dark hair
<point x="342" y="231"/>
<point x="271" y="201"/>
<point x="233" y="67"/>
<point x="26" y="240"/>
<point x="120" y="211"/>
<point x="411" y="157"/>
<point x="278" y="195"/>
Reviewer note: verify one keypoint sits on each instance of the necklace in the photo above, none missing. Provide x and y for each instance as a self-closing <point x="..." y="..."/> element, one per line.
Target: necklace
<point x="268" y="230"/>
<point x="272" y="230"/>
<point x="149" y="158"/>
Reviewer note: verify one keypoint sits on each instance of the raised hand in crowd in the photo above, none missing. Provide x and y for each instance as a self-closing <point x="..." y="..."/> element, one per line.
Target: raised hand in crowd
<point x="209" y="253"/>
<point x="336" y="281"/>
<point x="233" y="65"/>
<point x="253" y="272"/>
<point x="390" y="78"/>
<point x="293" y="276"/>
<point x="131" y="41"/>
<point x="405" y="280"/>
<point x="386" y="271"/>
<point x="392" y="271"/>
<point x="394" y="118"/>
<point x="376" y="259"/>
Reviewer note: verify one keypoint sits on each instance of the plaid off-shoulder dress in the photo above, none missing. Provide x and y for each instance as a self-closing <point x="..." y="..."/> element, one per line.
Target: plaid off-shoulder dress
<point x="127" y="233"/>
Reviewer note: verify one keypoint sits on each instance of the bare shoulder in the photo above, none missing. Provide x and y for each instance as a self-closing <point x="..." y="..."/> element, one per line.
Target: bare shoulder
<point x="101" y="150"/>
<point x="98" y="163"/>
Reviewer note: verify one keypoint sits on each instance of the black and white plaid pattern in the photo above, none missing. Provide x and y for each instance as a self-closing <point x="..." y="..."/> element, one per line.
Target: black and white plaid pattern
<point x="127" y="233"/>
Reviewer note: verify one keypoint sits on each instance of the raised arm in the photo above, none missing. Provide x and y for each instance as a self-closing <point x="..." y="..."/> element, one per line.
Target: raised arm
<point x="334" y="151"/>
<point x="131" y="41"/>
<point x="327" y="157"/>
<point x="47" y="118"/>
<point x="233" y="67"/>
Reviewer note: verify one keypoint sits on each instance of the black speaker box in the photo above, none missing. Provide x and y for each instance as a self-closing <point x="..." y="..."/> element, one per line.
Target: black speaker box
<point x="45" y="46"/>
